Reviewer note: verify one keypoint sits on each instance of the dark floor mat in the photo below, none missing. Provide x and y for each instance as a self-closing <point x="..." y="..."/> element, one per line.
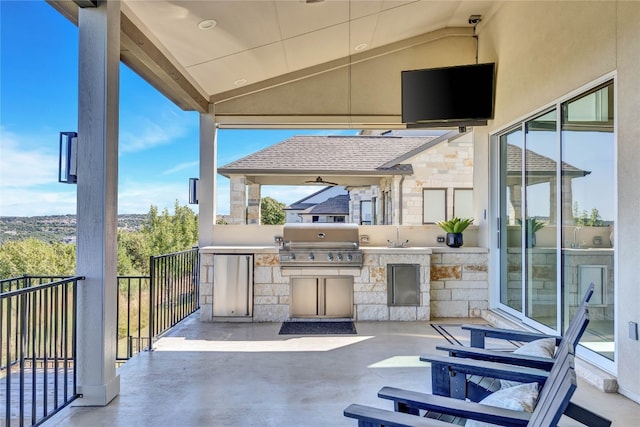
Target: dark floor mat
<point x="317" y="328"/>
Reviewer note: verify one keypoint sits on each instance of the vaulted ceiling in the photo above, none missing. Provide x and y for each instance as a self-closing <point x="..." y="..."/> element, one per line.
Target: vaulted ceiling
<point x="301" y="62"/>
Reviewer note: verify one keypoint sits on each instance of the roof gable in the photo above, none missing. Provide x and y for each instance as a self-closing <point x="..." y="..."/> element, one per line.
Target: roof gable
<point x="331" y="154"/>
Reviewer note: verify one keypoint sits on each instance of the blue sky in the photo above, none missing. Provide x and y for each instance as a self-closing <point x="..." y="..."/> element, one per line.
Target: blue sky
<point x="158" y="146"/>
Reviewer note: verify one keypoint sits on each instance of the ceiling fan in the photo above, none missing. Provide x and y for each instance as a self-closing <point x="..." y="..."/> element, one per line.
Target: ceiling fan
<point x="320" y="181"/>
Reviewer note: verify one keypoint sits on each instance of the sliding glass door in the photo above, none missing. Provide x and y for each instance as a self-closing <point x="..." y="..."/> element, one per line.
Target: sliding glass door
<point x="556" y="216"/>
<point x="528" y="193"/>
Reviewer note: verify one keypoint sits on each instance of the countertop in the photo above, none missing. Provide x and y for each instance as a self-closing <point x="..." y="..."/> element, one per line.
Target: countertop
<point x="233" y="249"/>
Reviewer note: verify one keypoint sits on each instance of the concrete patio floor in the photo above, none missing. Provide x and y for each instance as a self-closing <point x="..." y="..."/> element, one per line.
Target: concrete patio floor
<point x="245" y="374"/>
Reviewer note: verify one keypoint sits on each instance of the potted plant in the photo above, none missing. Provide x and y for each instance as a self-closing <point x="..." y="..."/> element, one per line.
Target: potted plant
<point x="532" y="225"/>
<point x="454" y="228"/>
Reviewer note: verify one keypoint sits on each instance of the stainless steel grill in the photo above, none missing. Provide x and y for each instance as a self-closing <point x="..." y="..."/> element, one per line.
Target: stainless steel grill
<point x="320" y="245"/>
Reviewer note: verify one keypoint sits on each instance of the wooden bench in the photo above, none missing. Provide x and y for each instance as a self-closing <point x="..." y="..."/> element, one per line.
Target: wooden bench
<point x="552" y="402"/>
<point x="449" y="378"/>
<point x="575" y="329"/>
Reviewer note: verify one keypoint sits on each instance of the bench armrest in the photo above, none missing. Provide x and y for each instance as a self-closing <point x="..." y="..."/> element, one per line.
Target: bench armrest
<point x="455" y="365"/>
<point x="543" y="363"/>
<point x="479" y="333"/>
<point x="454" y="407"/>
<point x="370" y="416"/>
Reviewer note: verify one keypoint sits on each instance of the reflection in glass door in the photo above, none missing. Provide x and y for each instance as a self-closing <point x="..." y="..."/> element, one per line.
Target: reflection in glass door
<point x="511" y="285"/>
<point x="540" y="175"/>
<point x="588" y="217"/>
<point x="528" y="193"/>
<point x="557" y="217"/>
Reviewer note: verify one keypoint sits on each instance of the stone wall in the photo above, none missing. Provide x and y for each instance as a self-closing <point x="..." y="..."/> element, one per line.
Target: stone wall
<point x="453" y="283"/>
<point x="459" y="283"/>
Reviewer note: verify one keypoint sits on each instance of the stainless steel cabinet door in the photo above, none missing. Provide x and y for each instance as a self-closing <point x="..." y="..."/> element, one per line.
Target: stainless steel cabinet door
<point x="338" y="296"/>
<point x="304" y="297"/>
<point x="232" y="285"/>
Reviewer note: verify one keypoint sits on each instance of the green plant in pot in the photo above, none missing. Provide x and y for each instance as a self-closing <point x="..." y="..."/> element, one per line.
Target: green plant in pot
<point x="454" y="228"/>
<point x="532" y="225"/>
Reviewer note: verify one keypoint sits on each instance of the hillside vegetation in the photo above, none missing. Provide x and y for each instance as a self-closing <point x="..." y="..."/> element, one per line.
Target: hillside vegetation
<point x="46" y="245"/>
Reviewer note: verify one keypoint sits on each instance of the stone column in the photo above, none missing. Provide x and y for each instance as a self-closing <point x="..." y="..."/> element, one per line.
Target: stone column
<point x="238" y="194"/>
<point x="253" y="206"/>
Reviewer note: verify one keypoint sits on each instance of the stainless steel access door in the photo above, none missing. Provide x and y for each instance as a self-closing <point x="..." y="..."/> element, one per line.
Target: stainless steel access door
<point x="322" y="297"/>
<point x="232" y="285"/>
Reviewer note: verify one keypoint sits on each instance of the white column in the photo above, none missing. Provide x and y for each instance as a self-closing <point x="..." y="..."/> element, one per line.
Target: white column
<point x="208" y="176"/>
<point x="98" y="92"/>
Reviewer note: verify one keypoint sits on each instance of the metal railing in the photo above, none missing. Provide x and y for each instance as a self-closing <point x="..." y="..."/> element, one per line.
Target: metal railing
<point x="174" y="290"/>
<point x="38" y="322"/>
<point x="38" y="330"/>
<point x="148" y="306"/>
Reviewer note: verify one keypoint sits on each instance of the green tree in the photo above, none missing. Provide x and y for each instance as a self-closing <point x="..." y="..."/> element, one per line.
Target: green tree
<point x="133" y="253"/>
<point x="167" y="234"/>
<point x="271" y="211"/>
<point x="36" y="258"/>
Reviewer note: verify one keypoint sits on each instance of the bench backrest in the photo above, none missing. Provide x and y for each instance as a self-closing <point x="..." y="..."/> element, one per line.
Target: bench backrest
<point x="578" y="323"/>
<point x="556" y="393"/>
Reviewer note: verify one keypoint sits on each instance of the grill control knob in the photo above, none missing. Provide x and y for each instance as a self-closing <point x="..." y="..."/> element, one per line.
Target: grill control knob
<point x="339" y="257"/>
<point x="349" y="257"/>
<point x="330" y="256"/>
<point x="311" y="257"/>
<point x="293" y="256"/>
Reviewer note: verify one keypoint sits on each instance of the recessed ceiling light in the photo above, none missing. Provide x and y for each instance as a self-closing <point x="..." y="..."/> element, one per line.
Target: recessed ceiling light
<point x="207" y="24"/>
<point x="240" y="82"/>
<point x="361" y="46"/>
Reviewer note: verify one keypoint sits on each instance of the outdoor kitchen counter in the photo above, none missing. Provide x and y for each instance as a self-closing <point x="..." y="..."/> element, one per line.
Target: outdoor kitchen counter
<point x="239" y="249"/>
<point x="423" y="249"/>
<point x="453" y="282"/>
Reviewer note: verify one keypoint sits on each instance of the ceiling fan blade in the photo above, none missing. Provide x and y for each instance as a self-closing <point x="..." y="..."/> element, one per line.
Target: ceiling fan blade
<point x="321" y="181"/>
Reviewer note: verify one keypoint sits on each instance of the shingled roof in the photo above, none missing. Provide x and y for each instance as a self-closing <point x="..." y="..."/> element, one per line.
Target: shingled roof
<point x="338" y="205"/>
<point x="538" y="164"/>
<point x="378" y="155"/>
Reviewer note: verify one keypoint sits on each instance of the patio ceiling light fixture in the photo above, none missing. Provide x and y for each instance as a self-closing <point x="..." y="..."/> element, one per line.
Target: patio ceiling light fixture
<point x="207" y="24"/>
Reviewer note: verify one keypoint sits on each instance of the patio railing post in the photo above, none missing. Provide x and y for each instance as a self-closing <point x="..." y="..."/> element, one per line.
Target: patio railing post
<point x="152" y="275"/>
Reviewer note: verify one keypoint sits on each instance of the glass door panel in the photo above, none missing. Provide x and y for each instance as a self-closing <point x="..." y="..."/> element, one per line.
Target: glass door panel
<point x="538" y="226"/>
<point x="588" y="213"/>
<point x="510" y="214"/>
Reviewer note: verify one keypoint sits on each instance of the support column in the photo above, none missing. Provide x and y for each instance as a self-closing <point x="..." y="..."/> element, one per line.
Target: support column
<point x="253" y="206"/>
<point x="396" y="207"/>
<point x="207" y="206"/>
<point x="97" y="206"/>
<point x="238" y="192"/>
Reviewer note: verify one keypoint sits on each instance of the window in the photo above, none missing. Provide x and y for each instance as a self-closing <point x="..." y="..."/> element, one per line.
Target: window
<point x="365" y="212"/>
<point x="463" y="202"/>
<point x="434" y="202"/>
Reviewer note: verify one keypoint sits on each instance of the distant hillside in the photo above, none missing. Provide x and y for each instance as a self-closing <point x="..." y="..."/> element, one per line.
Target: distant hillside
<point x="55" y="228"/>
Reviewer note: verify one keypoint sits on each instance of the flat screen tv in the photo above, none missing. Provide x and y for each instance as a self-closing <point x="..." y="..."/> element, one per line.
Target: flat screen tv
<point x="454" y="96"/>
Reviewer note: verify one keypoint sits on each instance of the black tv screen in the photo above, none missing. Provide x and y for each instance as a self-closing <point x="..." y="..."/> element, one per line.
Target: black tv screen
<point x="460" y="94"/>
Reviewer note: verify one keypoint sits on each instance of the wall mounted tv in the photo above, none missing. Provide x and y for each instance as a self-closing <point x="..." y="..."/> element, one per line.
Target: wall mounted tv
<point x="448" y="96"/>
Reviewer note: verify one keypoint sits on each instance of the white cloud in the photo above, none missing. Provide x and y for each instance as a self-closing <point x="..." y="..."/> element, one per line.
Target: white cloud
<point x="180" y="167"/>
<point x="27" y="202"/>
<point x="137" y="197"/>
<point x="149" y="134"/>
<point x="23" y="168"/>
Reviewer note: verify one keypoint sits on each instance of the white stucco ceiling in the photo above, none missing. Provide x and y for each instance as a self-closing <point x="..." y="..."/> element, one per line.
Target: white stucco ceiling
<point x="258" y="47"/>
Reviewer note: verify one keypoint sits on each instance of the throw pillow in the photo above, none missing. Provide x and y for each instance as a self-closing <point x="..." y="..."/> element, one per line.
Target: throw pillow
<point x="519" y="398"/>
<point x="545" y="347"/>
